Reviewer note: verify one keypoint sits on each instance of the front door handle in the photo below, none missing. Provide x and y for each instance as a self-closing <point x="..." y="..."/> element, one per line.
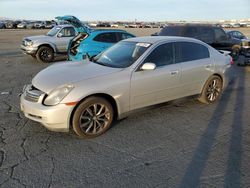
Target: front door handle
<point x="174" y="72"/>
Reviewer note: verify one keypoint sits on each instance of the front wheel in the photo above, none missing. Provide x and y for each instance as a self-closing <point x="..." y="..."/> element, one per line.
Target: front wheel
<point x="92" y="117"/>
<point x="45" y="54"/>
<point x="212" y="90"/>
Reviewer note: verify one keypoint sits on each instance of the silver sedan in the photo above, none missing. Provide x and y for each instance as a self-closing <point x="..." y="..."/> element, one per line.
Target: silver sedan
<point x="135" y="73"/>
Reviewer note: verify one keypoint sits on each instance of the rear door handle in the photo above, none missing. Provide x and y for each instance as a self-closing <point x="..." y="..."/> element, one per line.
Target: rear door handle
<point x="174" y="72"/>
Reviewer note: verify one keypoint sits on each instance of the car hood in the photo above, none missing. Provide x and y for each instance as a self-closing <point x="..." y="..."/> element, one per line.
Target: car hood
<point x="38" y="37"/>
<point x="65" y="73"/>
<point x="80" y="27"/>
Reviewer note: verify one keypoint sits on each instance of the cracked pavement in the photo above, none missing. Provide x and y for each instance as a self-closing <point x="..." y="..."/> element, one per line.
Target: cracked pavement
<point x="179" y="144"/>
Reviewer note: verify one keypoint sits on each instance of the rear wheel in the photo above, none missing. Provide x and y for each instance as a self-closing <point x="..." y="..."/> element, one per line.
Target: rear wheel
<point x="45" y="54"/>
<point x="92" y="117"/>
<point x="212" y="90"/>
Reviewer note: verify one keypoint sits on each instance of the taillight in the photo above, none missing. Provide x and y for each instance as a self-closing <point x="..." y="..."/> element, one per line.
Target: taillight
<point x="231" y="61"/>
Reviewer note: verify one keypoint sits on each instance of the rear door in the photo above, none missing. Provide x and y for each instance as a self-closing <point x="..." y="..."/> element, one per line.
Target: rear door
<point x="159" y="85"/>
<point x="196" y="66"/>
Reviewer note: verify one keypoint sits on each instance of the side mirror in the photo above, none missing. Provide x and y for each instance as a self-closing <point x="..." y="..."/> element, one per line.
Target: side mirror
<point x="148" y="66"/>
<point x="59" y="35"/>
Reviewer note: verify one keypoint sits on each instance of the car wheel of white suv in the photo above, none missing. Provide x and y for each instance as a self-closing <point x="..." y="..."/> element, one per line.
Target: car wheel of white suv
<point x="92" y="117"/>
<point x="45" y="54"/>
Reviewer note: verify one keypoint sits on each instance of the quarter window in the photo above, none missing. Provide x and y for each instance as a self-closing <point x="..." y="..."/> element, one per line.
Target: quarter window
<point x="162" y="55"/>
<point x="189" y="51"/>
<point x="106" y="37"/>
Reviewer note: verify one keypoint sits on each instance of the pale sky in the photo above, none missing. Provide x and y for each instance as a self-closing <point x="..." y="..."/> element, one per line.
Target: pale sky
<point x="127" y="10"/>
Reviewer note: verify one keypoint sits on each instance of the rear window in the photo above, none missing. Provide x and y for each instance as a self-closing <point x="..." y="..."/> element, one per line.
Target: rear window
<point x="171" y="31"/>
<point x="106" y="37"/>
<point x="189" y="51"/>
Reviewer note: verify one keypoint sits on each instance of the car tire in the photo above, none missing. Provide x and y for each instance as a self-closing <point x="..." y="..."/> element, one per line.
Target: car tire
<point x="45" y="54"/>
<point x="212" y="90"/>
<point x="92" y="117"/>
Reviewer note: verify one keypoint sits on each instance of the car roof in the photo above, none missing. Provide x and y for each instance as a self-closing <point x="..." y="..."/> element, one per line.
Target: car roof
<point x="157" y="39"/>
<point x="192" y="25"/>
<point x="108" y="30"/>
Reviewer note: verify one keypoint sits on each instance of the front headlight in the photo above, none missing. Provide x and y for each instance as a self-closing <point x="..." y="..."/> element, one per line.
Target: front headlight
<point x="29" y="43"/>
<point x="57" y="95"/>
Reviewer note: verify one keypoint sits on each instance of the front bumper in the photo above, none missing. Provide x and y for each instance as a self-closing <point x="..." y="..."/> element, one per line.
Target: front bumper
<point x="30" y="50"/>
<point x="54" y="118"/>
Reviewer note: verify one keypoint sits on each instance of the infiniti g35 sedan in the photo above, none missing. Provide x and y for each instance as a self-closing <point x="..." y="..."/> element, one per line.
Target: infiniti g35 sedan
<point x="132" y="74"/>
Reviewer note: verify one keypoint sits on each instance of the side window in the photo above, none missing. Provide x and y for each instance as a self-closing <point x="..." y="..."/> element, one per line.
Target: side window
<point x="68" y="32"/>
<point x="206" y="35"/>
<point x="234" y="34"/>
<point x="189" y="51"/>
<point x="239" y="35"/>
<point x="219" y="34"/>
<point x="161" y="55"/>
<point x="106" y="37"/>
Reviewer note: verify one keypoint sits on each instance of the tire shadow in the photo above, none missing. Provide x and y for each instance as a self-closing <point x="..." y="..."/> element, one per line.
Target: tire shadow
<point x="198" y="162"/>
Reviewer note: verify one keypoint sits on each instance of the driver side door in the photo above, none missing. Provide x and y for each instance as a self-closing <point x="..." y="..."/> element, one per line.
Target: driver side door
<point x="149" y="87"/>
<point x="63" y="38"/>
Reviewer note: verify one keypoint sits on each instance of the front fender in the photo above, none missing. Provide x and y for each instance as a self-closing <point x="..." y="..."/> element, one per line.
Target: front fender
<point x="53" y="46"/>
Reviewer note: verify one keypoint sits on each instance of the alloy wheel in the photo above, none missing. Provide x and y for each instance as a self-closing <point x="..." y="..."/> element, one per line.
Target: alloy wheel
<point x="214" y="89"/>
<point x="94" y="119"/>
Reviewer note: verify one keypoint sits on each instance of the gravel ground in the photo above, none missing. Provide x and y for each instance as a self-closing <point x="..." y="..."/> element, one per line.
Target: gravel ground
<point x="179" y="144"/>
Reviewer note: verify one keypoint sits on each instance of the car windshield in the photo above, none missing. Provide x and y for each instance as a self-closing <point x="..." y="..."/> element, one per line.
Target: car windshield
<point x="122" y="54"/>
<point x="53" y="31"/>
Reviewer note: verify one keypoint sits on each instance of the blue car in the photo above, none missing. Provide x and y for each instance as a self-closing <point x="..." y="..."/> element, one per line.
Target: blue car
<point x="89" y="42"/>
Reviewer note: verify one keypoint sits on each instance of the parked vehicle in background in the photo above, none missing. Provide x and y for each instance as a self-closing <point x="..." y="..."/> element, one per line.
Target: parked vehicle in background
<point x="49" y="24"/>
<point x="2" y="25"/>
<point x="245" y="44"/>
<point x="210" y="34"/>
<point x="132" y="74"/>
<point x="30" y="25"/>
<point x="104" y="24"/>
<point x="236" y="34"/>
<point x="96" y="42"/>
<point x="114" y="25"/>
<point x="12" y="24"/>
<point x="22" y="25"/>
<point x="90" y="42"/>
<point x="39" y="25"/>
<point x="45" y="47"/>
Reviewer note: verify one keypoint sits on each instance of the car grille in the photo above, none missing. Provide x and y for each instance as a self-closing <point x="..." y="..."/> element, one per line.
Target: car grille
<point x="32" y="94"/>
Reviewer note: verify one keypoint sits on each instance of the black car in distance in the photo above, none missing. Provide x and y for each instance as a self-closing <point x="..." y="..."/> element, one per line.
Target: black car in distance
<point x="210" y="34"/>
